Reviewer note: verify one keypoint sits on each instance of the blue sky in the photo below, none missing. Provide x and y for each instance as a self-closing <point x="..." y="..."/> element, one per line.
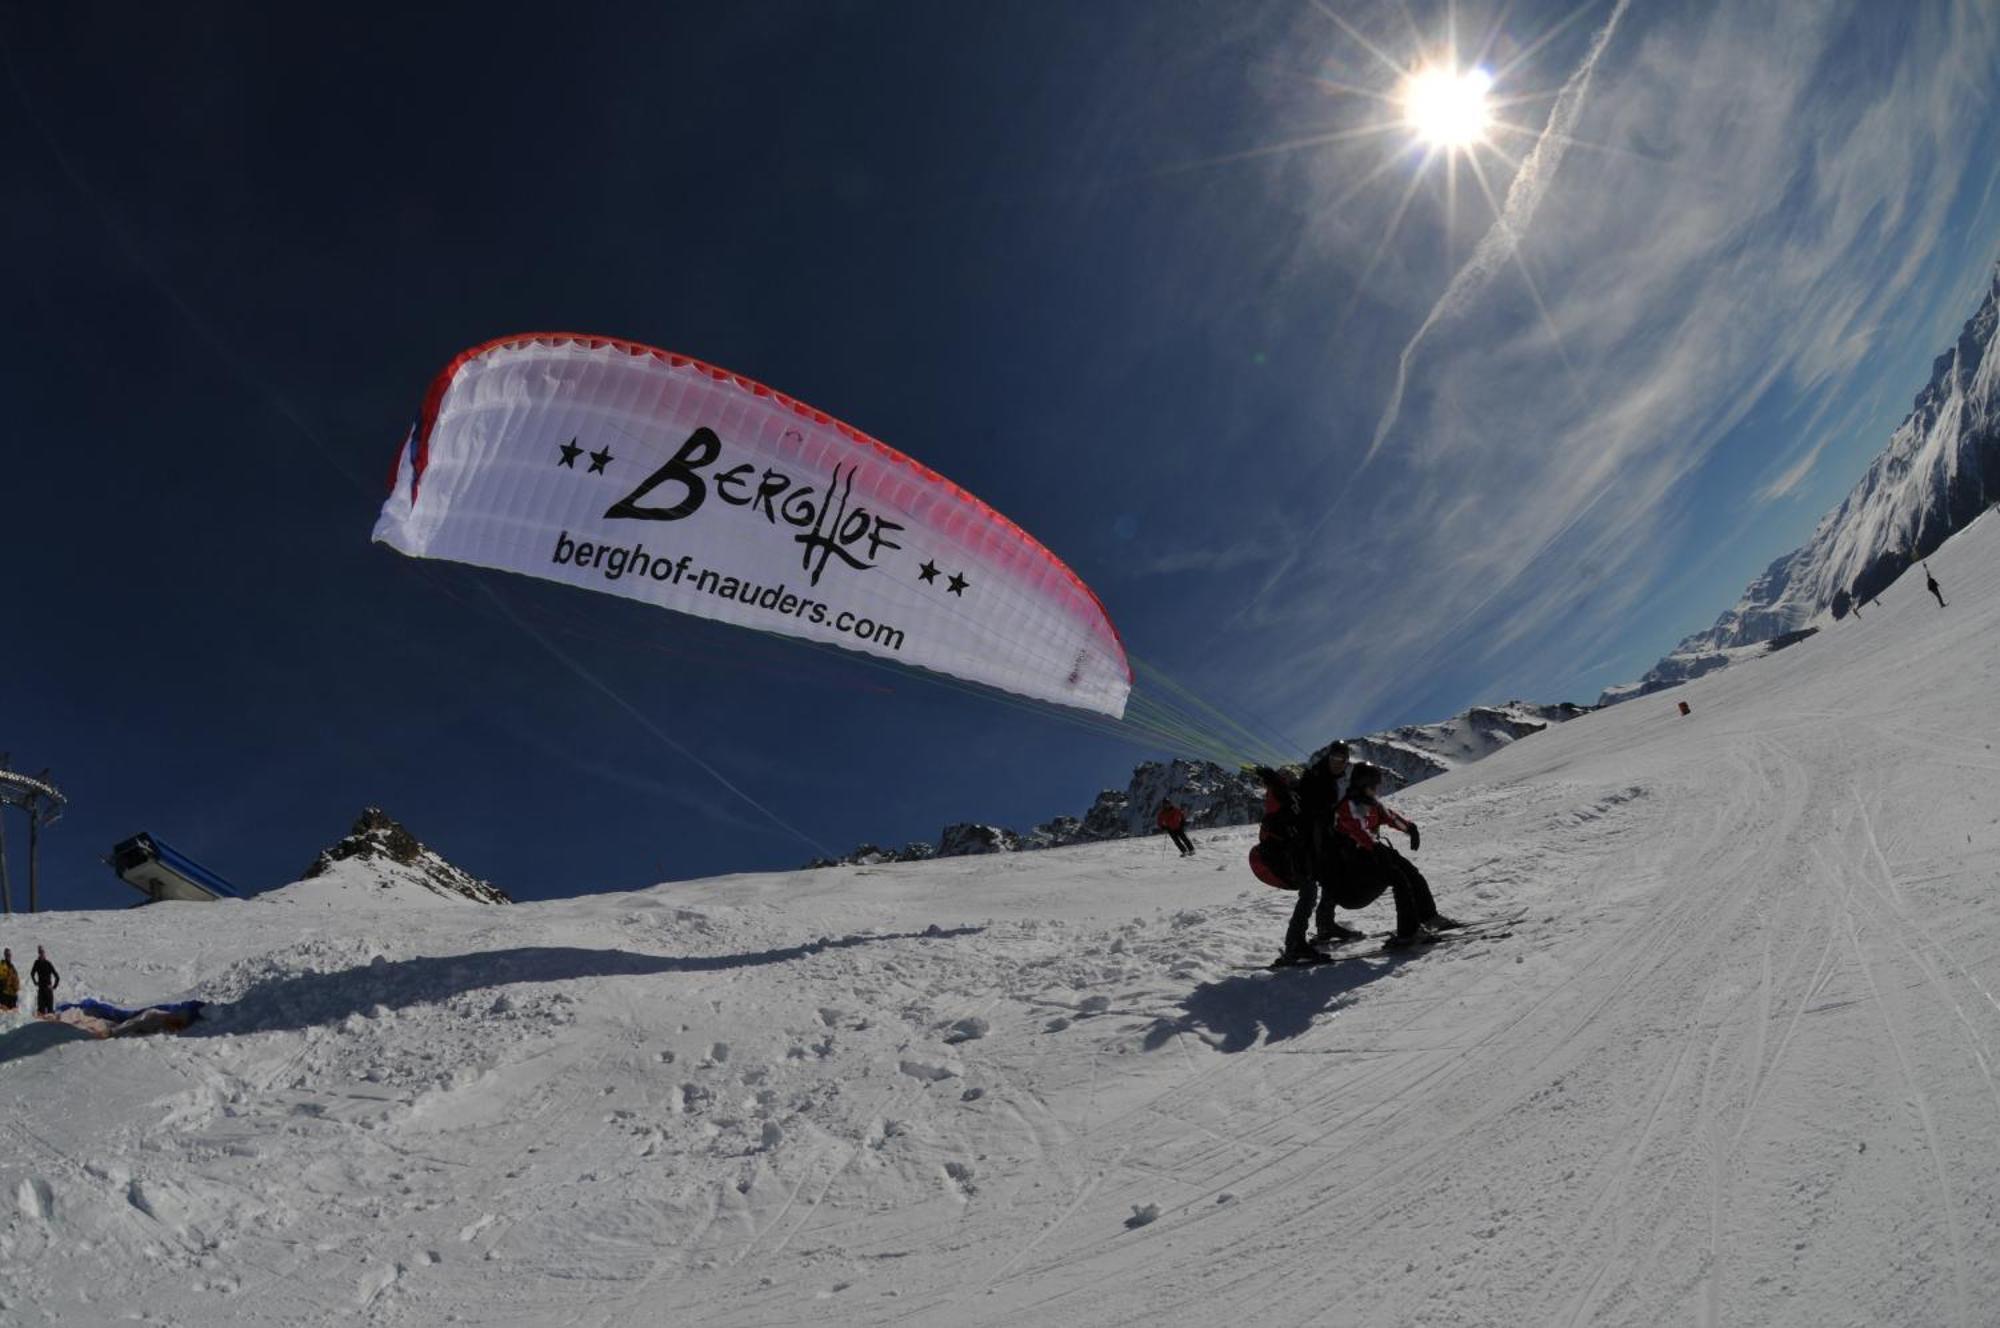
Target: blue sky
<point x="1342" y="440"/>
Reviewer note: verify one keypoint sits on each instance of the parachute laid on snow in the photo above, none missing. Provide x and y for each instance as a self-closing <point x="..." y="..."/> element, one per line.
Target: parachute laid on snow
<point x="620" y="468"/>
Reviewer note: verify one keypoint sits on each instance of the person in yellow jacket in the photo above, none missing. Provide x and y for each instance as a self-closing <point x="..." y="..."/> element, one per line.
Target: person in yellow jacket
<point x="10" y="981"/>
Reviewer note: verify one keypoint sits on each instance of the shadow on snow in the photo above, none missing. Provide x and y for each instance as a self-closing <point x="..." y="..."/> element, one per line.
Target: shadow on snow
<point x="1237" y="1012"/>
<point x="38" y="1036"/>
<point x="309" y="999"/>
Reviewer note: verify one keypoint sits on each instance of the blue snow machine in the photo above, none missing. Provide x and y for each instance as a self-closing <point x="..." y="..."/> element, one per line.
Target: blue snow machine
<point x="158" y="872"/>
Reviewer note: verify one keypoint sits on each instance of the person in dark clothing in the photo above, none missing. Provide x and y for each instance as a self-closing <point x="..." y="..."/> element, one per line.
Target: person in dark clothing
<point x="1320" y="792"/>
<point x="1373" y="866"/>
<point x="1930" y="583"/>
<point x="43" y="974"/>
<point x="1171" y="819"/>
<point x="1284" y="847"/>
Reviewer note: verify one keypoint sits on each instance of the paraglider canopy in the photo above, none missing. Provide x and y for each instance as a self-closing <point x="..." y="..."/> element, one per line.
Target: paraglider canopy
<point x="616" y="467"/>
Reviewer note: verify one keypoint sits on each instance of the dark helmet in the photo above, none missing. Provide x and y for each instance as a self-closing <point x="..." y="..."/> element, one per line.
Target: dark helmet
<point x="1364" y="777"/>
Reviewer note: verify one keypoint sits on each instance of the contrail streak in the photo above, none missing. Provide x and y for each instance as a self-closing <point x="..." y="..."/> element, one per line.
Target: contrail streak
<point x="1496" y="247"/>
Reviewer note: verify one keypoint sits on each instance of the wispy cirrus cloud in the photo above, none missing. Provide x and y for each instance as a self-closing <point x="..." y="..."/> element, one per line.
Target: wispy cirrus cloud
<point x="1787" y="481"/>
<point x="1777" y="203"/>
<point x="1258" y="550"/>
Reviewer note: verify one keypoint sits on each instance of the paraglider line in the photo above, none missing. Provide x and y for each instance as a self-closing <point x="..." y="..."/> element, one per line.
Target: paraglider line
<point x="646" y="723"/>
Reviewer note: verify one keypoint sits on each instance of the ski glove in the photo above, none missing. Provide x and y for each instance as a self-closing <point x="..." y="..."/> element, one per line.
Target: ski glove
<point x="1413" y="836"/>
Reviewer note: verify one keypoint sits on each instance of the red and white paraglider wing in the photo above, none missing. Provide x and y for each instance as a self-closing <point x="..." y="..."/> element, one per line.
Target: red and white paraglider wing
<point x="619" y="468"/>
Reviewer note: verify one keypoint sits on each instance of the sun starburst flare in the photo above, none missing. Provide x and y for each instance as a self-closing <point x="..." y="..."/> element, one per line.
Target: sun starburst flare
<point x="1448" y="108"/>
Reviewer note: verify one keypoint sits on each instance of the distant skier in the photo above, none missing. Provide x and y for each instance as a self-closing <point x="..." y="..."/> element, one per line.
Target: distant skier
<point x="43" y="974"/>
<point x="1171" y="819"/>
<point x="1373" y="866"/>
<point x="10" y="981"/>
<point x="1320" y="792"/>
<point x="1930" y="583"/>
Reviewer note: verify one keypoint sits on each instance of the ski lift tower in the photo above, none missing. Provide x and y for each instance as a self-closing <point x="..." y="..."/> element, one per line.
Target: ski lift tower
<point x="44" y="805"/>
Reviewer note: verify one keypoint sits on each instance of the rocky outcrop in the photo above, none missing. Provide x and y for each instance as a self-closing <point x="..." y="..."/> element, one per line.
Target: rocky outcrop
<point x="967" y="838"/>
<point x="379" y="853"/>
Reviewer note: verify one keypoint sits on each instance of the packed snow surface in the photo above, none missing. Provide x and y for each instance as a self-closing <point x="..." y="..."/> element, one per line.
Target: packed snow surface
<point x="1737" y="1065"/>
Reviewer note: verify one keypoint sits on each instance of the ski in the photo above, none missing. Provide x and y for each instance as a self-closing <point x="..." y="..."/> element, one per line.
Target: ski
<point x="1489" y="932"/>
<point x="1443" y="938"/>
<point x="1472" y="927"/>
<point x="1280" y="964"/>
<point x="1475" y="929"/>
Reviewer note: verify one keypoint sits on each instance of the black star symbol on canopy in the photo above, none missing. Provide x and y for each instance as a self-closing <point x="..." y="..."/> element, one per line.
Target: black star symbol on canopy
<point x="570" y="453"/>
<point x="599" y="460"/>
<point x="927" y="572"/>
<point x="958" y="584"/>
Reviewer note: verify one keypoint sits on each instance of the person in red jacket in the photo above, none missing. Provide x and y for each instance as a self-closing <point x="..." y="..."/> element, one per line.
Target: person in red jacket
<point x="1171" y="819"/>
<point x="1374" y="866"/>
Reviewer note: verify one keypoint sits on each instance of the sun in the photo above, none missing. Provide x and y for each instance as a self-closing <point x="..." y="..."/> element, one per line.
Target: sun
<point x="1448" y="108"/>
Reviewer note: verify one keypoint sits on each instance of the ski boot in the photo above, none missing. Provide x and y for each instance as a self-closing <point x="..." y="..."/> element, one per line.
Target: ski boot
<point x="1335" y="934"/>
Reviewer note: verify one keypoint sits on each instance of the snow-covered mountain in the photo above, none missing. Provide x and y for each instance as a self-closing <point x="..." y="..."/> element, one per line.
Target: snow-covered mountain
<point x="1213" y="795"/>
<point x="379" y="861"/>
<point x="1417" y="752"/>
<point x="1940" y="470"/>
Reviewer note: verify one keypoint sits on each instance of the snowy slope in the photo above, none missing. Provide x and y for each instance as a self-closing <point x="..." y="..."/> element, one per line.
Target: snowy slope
<point x="1940" y="470"/>
<point x="1737" y="1065"/>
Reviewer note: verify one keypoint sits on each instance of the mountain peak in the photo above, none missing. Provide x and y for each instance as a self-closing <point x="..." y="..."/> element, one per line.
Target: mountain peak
<point x="379" y="858"/>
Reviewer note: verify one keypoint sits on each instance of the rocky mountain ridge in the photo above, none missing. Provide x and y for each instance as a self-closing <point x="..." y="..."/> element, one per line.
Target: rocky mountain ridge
<point x="1213" y="795"/>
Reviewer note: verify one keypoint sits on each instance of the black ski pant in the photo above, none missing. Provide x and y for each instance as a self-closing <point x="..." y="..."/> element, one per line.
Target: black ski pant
<point x="1331" y="868"/>
<point x="1292" y="861"/>
<point x="45" y="1000"/>
<point x="1320" y="894"/>
<point x="1181" y="841"/>
<point x="1302" y="913"/>
<point x="1372" y="871"/>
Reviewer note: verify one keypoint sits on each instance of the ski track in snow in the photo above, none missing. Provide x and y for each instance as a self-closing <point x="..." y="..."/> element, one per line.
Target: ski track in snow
<point x="1735" y="1064"/>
